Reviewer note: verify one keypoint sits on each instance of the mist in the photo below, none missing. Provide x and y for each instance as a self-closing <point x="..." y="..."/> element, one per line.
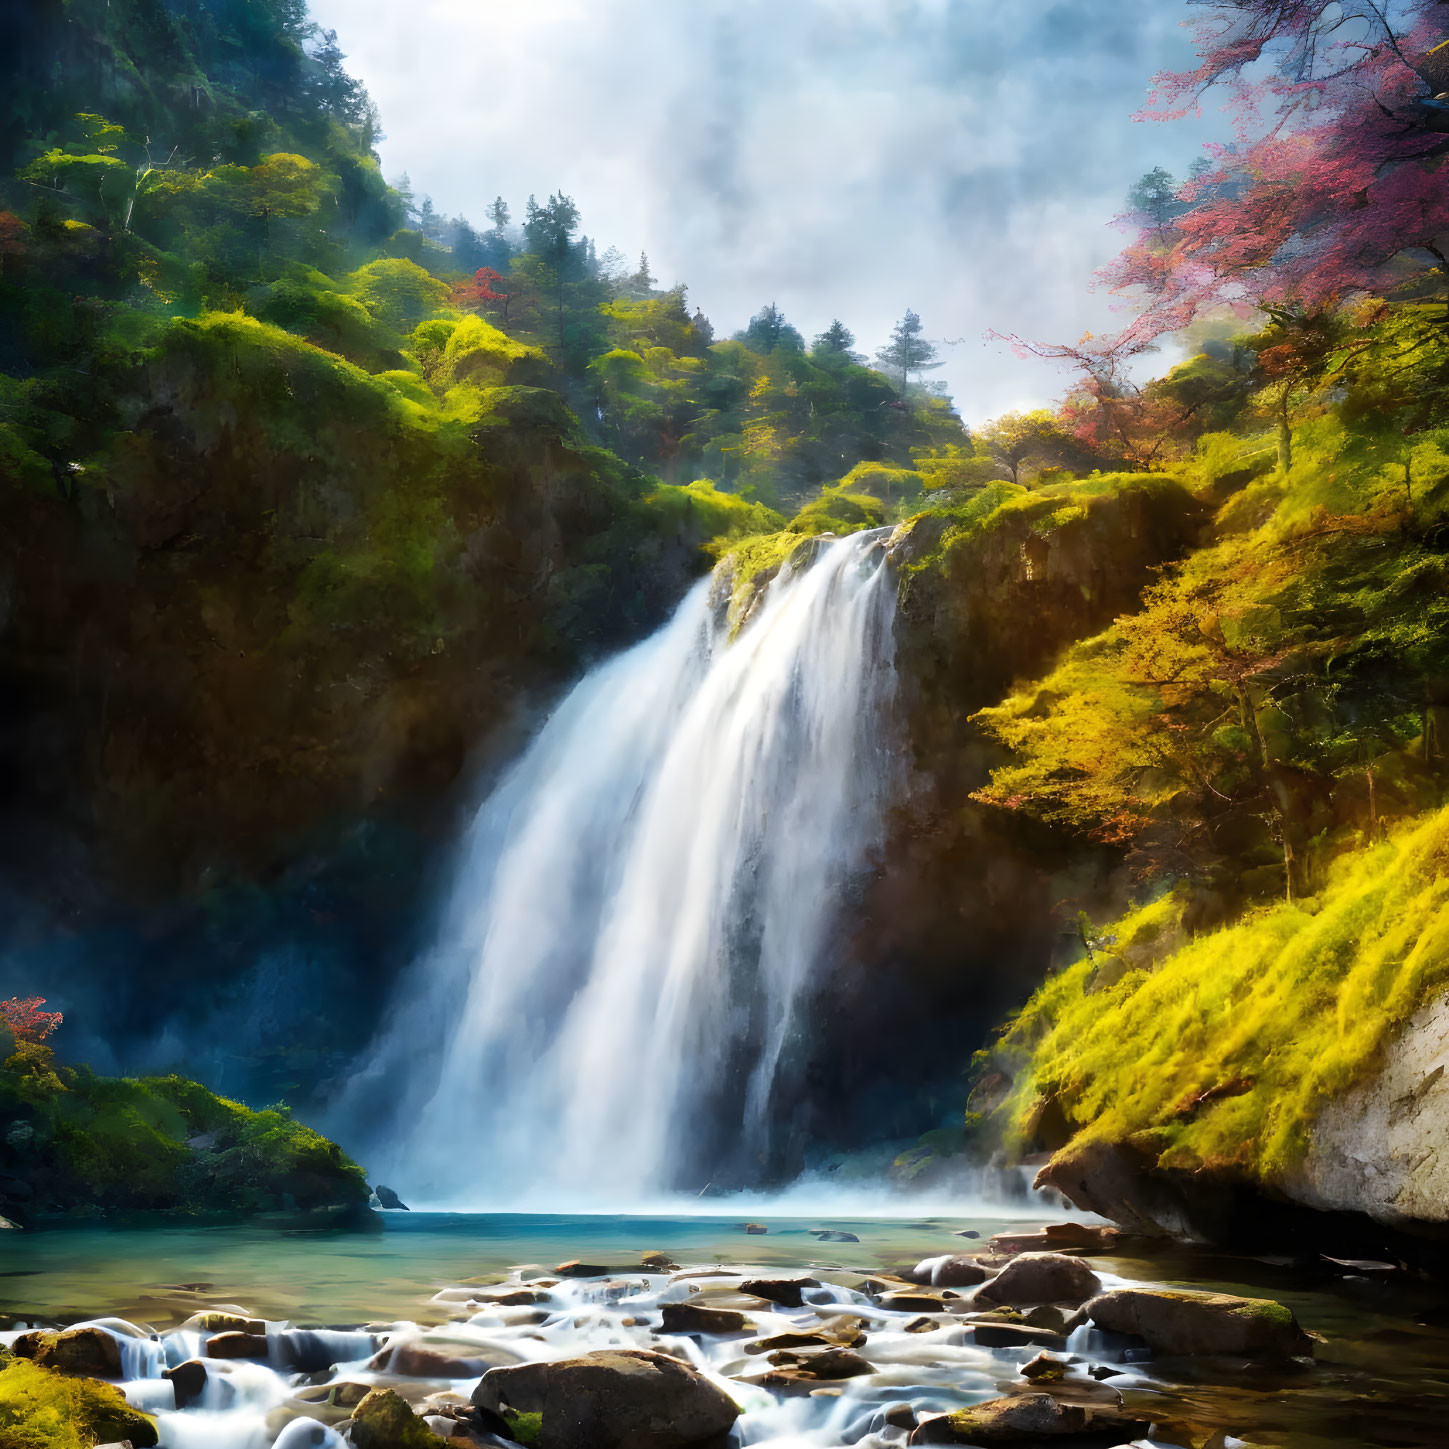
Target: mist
<point x="842" y="158"/>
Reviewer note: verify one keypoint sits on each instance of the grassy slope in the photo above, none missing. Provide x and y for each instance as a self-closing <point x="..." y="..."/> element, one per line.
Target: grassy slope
<point x="1271" y="1017"/>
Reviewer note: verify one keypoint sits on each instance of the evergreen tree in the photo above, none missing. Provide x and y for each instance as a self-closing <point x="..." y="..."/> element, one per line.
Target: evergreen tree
<point x="1154" y="197"/>
<point x="907" y="351"/>
<point x="643" y="280"/>
<point x="836" y="344"/>
<point x="563" y="271"/>
<point x="404" y="188"/>
<point x="499" y="214"/>
<point x="769" y="331"/>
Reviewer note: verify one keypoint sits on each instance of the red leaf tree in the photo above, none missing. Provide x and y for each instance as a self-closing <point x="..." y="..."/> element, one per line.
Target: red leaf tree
<point x="485" y="287"/>
<point x="26" y="1020"/>
<point x="1336" y="185"/>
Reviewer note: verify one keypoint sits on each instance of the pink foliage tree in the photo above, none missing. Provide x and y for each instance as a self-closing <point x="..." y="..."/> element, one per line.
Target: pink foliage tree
<point x="26" y="1020"/>
<point x="1340" y="191"/>
<point x="1335" y="185"/>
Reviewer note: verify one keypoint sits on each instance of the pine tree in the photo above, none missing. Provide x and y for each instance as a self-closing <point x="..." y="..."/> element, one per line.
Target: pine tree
<point x="837" y="344"/>
<point x="499" y="214"/>
<point x="643" y="280"/>
<point x="768" y="330"/>
<point x="907" y="351"/>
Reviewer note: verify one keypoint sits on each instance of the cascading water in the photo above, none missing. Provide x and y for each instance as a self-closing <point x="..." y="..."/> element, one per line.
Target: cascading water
<point x="642" y="902"/>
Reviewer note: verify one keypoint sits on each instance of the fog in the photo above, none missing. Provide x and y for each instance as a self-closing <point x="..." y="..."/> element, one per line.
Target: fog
<point x="846" y="158"/>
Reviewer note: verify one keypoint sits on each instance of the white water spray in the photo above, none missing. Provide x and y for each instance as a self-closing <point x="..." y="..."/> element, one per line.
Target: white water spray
<point x="643" y="901"/>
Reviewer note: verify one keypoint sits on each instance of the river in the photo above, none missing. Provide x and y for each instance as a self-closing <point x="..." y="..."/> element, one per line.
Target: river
<point x="1380" y="1374"/>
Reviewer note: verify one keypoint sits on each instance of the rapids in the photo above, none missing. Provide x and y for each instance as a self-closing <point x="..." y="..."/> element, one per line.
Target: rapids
<point x="614" y="1003"/>
<point x="1381" y="1373"/>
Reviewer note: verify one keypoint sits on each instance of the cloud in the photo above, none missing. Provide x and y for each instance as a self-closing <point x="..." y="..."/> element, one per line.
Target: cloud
<point x="846" y="158"/>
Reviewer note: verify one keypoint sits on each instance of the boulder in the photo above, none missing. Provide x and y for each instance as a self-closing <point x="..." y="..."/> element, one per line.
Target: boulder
<point x="387" y="1198"/>
<point x="1044" y="1369"/>
<point x="615" y="1399"/>
<point x="900" y="1416"/>
<point x="658" y="1262"/>
<point x="1061" y="1238"/>
<point x="695" y="1318"/>
<point x="576" y="1269"/>
<point x="1176" y="1322"/>
<point x="755" y="1228"/>
<point x="187" y="1381"/>
<point x="787" y="1292"/>
<point x="832" y="1363"/>
<point x="1010" y="1335"/>
<point x="1028" y="1418"/>
<point x="953" y="1270"/>
<point x="843" y="1332"/>
<point x="383" y="1420"/>
<point x="1042" y="1278"/>
<point x="236" y="1345"/>
<point x="834" y="1235"/>
<point x="411" y="1360"/>
<point x="90" y="1353"/>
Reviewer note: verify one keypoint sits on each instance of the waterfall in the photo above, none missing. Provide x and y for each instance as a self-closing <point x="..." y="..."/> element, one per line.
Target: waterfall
<point x="618" y="989"/>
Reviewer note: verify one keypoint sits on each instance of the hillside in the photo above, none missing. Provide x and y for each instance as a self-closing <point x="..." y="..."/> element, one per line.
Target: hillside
<point x="304" y="520"/>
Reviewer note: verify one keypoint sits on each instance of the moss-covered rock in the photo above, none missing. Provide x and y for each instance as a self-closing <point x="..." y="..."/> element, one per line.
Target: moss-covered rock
<point x="40" y="1409"/>
<point x="86" y="1352"/>
<point x="1184" y="1323"/>
<point x="384" y="1420"/>
<point x="161" y="1144"/>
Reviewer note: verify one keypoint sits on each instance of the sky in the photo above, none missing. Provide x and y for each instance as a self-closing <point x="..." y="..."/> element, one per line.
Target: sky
<point x="841" y="158"/>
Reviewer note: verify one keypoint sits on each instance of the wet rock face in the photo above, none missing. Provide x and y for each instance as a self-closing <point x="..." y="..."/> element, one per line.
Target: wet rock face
<point x="1200" y="1323"/>
<point x="619" y="1399"/>
<point x="1379" y="1148"/>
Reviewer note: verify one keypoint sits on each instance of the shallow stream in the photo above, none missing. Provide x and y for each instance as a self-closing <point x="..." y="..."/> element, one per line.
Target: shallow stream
<point x="1380" y="1376"/>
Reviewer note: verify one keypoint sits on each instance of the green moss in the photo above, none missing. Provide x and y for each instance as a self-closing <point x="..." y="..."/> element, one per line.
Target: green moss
<point x="889" y="485"/>
<point x="475" y="351"/>
<point x="1286" y="1009"/>
<point x="751" y="563"/>
<point x="120" y="1143"/>
<point x="838" y="511"/>
<point x="44" y="1410"/>
<point x="711" y="513"/>
<point x="525" y="1428"/>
